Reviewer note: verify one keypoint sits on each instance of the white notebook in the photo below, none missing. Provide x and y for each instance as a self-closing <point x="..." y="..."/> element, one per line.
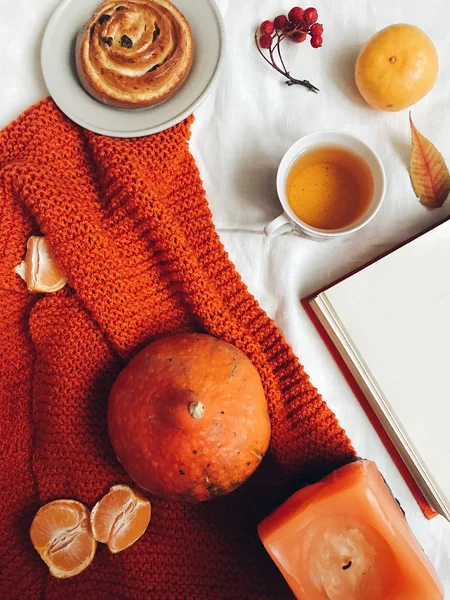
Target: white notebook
<point x="390" y="322"/>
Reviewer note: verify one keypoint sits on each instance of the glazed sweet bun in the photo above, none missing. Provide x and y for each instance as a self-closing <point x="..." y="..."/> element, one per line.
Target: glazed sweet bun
<point x="134" y="53"/>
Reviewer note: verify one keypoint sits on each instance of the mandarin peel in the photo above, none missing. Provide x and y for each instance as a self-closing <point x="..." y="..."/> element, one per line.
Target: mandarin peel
<point x="430" y="177"/>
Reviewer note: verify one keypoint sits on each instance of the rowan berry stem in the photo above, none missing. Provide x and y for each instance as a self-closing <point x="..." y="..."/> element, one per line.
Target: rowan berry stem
<point x="277" y="46"/>
<point x="283" y="70"/>
<point x="272" y="62"/>
<point x="303" y="82"/>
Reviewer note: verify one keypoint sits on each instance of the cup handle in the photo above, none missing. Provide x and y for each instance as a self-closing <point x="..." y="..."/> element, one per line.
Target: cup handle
<point x="281" y="224"/>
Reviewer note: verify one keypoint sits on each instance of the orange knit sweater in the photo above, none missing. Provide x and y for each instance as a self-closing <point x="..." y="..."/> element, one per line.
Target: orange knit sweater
<point x="130" y="224"/>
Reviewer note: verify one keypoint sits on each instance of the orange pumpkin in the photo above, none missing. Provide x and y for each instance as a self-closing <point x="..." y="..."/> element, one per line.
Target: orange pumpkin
<point x="188" y="418"/>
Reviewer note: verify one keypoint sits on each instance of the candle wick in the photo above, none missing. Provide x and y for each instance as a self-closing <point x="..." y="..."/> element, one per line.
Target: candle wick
<point x="348" y="565"/>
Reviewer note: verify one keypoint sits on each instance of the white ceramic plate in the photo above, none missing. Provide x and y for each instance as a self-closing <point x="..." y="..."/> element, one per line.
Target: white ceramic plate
<point x="58" y="66"/>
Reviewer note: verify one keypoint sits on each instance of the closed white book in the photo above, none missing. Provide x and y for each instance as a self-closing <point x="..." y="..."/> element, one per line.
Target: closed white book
<point x="390" y="322"/>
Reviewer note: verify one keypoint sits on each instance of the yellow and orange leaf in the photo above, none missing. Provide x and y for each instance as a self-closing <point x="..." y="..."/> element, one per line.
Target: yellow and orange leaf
<point x="429" y="173"/>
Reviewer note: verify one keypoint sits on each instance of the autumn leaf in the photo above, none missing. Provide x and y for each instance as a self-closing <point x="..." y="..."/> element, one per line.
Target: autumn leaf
<point x="429" y="174"/>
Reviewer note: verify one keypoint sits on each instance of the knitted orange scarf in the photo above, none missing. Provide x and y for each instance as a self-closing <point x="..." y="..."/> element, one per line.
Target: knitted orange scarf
<point x="130" y="224"/>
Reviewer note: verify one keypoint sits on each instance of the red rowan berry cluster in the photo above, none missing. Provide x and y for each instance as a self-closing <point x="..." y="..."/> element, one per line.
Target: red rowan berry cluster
<point x="296" y="26"/>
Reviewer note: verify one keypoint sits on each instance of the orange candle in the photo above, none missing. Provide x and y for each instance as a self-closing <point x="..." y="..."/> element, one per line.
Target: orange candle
<point x="345" y="538"/>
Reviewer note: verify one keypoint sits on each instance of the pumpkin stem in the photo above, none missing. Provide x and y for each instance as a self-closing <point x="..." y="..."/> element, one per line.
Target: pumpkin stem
<point x="196" y="409"/>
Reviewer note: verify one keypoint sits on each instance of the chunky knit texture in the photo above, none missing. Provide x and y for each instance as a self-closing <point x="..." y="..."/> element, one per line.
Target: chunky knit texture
<point x="130" y="224"/>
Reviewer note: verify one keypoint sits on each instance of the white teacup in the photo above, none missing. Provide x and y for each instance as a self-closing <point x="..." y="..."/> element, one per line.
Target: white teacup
<point x="288" y="221"/>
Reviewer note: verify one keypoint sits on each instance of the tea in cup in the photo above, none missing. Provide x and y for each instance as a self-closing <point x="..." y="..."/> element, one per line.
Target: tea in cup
<point x="329" y="183"/>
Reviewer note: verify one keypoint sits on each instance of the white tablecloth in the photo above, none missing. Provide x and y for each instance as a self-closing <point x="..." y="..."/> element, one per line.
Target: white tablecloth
<point x="239" y="137"/>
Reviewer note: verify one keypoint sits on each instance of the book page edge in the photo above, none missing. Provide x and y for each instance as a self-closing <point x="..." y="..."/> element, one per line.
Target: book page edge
<point x="329" y="320"/>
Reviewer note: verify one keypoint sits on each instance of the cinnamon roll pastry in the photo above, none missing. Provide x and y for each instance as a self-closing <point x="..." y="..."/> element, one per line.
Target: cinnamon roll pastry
<point x="134" y="53"/>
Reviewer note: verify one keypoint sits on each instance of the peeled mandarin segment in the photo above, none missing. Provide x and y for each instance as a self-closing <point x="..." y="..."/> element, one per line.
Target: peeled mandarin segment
<point x="40" y="269"/>
<point x="133" y="527"/>
<point x="120" y="518"/>
<point x="58" y="515"/>
<point x="345" y="538"/>
<point x="61" y="534"/>
<point x="106" y="511"/>
<point x="77" y="553"/>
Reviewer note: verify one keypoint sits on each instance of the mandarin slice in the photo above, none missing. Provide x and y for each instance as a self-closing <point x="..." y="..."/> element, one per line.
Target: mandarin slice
<point x="40" y="270"/>
<point x="120" y="518"/>
<point x="61" y="533"/>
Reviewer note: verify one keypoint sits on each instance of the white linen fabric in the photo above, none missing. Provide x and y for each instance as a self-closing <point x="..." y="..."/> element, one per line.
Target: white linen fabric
<point x="241" y="133"/>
